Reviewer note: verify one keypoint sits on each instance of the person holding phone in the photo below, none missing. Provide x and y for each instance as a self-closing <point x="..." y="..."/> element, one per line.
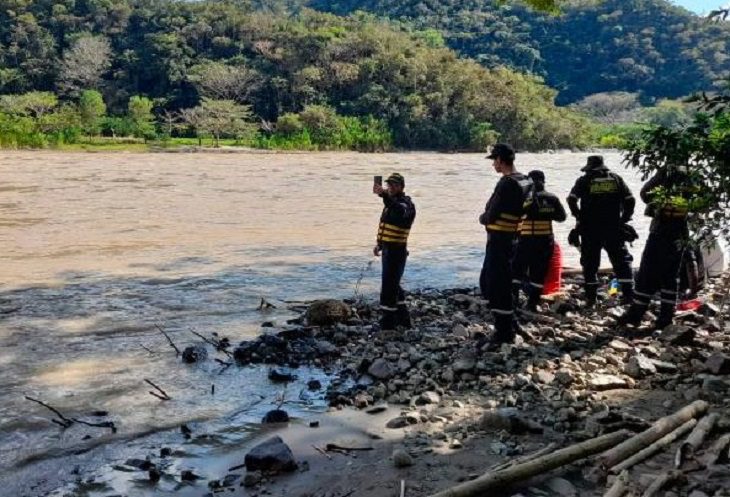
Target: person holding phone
<point x="396" y="220"/>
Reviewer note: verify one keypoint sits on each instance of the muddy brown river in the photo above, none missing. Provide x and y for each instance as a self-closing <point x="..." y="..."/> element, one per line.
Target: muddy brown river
<point x="97" y="249"/>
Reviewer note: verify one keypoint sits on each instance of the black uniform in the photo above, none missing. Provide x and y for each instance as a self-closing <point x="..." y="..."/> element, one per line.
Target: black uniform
<point x="536" y="243"/>
<point x="501" y="218"/>
<point x="606" y="203"/>
<point x="395" y="225"/>
<point x="665" y="248"/>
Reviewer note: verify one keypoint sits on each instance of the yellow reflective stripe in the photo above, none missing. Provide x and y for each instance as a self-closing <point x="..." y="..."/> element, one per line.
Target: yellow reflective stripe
<point x="394" y="237"/>
<point x="535" y="233"/>
<point x="506" y="223"/>
<point x="393" y="240"/>
<point x="510" y="217"/>
<point x="394" y="228"/>
<point x="496" y="227"/>
<point x="542" y="224"/>
<point x="394" y="233"/>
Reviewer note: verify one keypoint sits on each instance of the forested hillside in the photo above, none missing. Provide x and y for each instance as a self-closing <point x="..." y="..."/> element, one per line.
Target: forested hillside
<point x="646" y="46"/>
<point x="229" y="69"/>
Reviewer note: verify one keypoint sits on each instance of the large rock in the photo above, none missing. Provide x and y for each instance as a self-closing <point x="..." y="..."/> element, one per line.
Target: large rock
<point x="272" y="455"/>
<point x="381" y="369"/>
<point x="607" y="382"/>
<point x="508" y="419"/>
<point x="327" y="312"/>
<point x="639" y="366"/>
<point x="677" y="335"/>
<point x="276" y="416"/>
<point x="718" y="363"/>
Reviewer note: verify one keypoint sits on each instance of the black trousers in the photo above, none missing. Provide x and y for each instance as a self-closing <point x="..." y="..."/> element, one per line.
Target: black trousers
<point x="392" y="296"/>
<point x="590" y="259"/>
<point x="658" y="272"/>
<point x="495" y="282"/>
<point x="531" y="263"/>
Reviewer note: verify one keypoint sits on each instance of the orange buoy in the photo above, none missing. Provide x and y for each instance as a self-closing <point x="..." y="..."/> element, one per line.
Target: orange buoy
<point x="554" y="276"/>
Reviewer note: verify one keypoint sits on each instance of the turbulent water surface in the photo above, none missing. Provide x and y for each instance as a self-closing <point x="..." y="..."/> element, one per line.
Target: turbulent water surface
<point x="97" y="249"/>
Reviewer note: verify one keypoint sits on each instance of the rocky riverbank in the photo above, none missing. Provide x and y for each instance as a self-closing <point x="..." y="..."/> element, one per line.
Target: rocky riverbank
<point x="425" y="409"/>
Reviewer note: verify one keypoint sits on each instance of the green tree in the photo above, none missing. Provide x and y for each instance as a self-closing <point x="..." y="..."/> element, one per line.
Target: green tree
<point x="703" y="149"/>
<point x="223" y="118"/>
<point x="92" y="110"/>
<point x="140" y="115"/>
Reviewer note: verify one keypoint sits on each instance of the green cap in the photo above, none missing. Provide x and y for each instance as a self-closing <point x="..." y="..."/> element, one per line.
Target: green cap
<point x="396" y="178"/>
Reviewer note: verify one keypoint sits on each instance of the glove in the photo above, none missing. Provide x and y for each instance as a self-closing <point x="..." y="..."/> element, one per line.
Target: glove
<point x="628" y="233"/>
<point x="574" y="238"/>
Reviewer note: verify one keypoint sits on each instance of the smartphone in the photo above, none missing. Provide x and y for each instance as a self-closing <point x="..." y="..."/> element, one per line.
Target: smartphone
<point x="378" y="180"/>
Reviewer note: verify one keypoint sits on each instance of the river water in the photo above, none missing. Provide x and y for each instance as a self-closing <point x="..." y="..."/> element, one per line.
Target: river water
<point x="97" y="249"/>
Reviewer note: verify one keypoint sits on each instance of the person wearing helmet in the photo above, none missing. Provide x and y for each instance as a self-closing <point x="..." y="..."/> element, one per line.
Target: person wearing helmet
<point x="396" y="220"/>
<point x="668" y="198"/>
<point x="536" y="241"/>
<point x="602" y="204"/>
<point x="501" y="219"/>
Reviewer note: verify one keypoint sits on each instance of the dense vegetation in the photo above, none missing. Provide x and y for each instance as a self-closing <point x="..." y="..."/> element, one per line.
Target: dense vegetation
<point x="703" y="144"/>
<point x="229" y="70"/>
<point x="645" y="46"/>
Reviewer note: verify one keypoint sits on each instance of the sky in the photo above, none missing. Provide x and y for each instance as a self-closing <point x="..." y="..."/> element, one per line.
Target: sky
<point x="700" y="6"/>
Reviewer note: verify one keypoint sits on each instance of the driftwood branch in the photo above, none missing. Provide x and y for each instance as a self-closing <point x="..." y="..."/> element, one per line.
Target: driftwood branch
<point x="169" y="340"/>
<point x="695" y="439"/>
<point x="162" y="395"/>
<point x="521" y="472"/>
<point x="660" y="428"/>
<point x="652" y="449"/>
<point x="214" y="343"/>
<point x="714" y="453"/>
<point x="662" y="481"/>
<point x="62" y="420"/>
<point x="620" y="485"/>
<point x="545" y="450"/>
<point x="65" y="422"/>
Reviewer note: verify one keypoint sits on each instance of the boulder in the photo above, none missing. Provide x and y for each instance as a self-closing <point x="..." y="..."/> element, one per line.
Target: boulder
<point x="718" y="363"/>
<point x="428" y="398"/>
<point x="508" y="419"/>
<point x="677" y="335"/>
<point x="328" y="312"/>
<point x="381" y="369"/>
<point x="276" y="416"/>
<point x="603" y="382"/>
<point x="639" y="366"/>
<point x="194" y="353"/>
<point x="402" y="459"/>
<point x="272" y="455"/>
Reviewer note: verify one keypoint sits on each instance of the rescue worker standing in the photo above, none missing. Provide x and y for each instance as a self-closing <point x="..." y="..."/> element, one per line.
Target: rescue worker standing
<point x="392" y="242"/>
<point x="536" y="241"/>
<point x="501" y="219"/>
<point x="667" y="198"/>
<point x="602" y="204"/>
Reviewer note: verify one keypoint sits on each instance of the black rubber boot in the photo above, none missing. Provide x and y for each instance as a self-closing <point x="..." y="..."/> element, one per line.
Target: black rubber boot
<point x="632" y="317"/>
<point x="403" y="317"/>
<point x="389" y="320"/>
<point x="666" y="316"/>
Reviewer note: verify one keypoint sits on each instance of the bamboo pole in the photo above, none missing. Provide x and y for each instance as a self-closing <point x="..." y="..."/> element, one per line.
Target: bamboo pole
<point x="652" y="449"/>
<point x="656" y="431"/>
<point x="534" y="467"/>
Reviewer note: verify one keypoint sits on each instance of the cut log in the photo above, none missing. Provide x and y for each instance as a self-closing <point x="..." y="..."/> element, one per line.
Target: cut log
<point x="660" y="428"/>
<point x="521" y="472"/>
<point x="620" y="485"/>
<point x="529" y="457"/>
<point x="715" y="452"/>
<point x="661" y="482"/>
<point x="695" y="439"/>
<point x="700" y="432"/>
<point x="652" y="449"/>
